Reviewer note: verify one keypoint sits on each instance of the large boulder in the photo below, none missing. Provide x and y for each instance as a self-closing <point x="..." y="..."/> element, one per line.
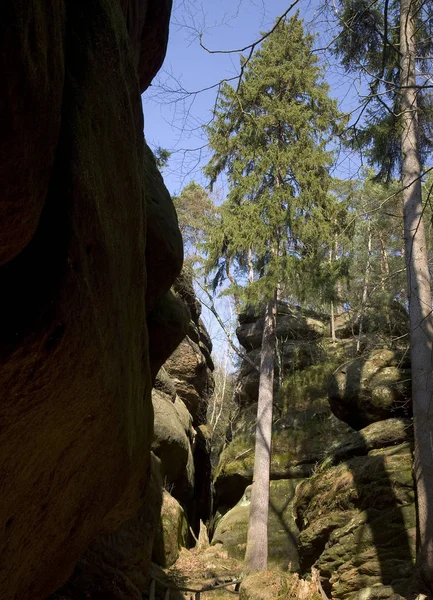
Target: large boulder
<point x="383" y="434"/>
<point x="357" y="522"/>
<point x="371" y="388"/>
<point x="75" y="407"/>
<point x="188" y="368"/>
<point x="173" y="434"/>
<point x="231" y="530"/>
<point x="291" y="325"/>
<point x="172" y="533"/>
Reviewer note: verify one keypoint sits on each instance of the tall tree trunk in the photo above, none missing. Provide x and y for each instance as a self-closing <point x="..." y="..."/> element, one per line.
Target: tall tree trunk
<point x="364" y="289"/>
<point x="420" y="304"/>
<point x="256" y="557"/>
<point x="334" y="339"/>
<point x="338" y="307"/>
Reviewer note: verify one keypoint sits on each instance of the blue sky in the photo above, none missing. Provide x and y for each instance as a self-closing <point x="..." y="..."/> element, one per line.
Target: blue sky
<point x="174" y="120"/>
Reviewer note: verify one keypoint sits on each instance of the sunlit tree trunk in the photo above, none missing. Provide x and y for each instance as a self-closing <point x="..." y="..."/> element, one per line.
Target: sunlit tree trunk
<point x="250" y="266"/>
<point x="365" y="289"/>
<point x="332" y="307"/>
<point x="256" y="556"/>
<point x="418" y="278"/>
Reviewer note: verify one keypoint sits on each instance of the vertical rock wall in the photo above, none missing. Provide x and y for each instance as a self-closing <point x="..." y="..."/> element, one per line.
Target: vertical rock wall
<point x="89" y="247"/>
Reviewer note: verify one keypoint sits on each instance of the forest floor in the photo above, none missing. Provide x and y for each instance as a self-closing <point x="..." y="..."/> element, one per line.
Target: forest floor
<point x="197" y="569"/>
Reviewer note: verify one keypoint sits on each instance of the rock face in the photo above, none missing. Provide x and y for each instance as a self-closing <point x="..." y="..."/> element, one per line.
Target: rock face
<point x="172" y="534"/>
<point x="89" y="247"/>
<point x="181" y="439"/>
<point x="371" y="388"/>
<point x="191" y="365"/>
<point x="117" y="565"/>
<point x="358" y="522"/>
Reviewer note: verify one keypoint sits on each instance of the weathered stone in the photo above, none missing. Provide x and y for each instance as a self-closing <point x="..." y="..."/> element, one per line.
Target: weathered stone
<point x="75" y="411"/>
<point x="204" y="335"/>
<point x="185" y="418"/>
<point x="231" y="530"/>
<point x="170" y="442"/>
<point x="172" y="533"/>
<point x="377" y="480"/>
<point x="116" y="565"/>
<point x="377" y="592"/>
<point x="374" y="548"/>
<point x="371" y="389"/>
<point x="357" y="522"/>
<point x="192" y="377"/>
<point x="291" y="326"/>
<point x="167" y="326"/>
<point x="382" y="434"/>
<point x="296" y="449"/>
<point x="164" y="384"/>
<point x="184" y="287"/>
<point x="393" y="321"/>
<point x="161" y="234"/>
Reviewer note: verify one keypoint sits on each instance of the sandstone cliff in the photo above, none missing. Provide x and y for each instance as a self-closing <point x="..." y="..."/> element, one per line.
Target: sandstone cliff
<point x="89" y="248"/>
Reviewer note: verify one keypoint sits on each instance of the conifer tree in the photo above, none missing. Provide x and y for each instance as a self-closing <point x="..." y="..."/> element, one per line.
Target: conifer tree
<point x="270" y="138"/>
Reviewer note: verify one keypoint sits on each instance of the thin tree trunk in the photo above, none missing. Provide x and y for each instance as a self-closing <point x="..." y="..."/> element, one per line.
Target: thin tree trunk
<point x="419" y="292"/>
<point x="333" y="337"/>
<point x="256" y="556"/>
<point x="332" y="307"/>
<point x="364" y="289"/>
<point x="250" y="266"/>
<point x="233" y="282"/>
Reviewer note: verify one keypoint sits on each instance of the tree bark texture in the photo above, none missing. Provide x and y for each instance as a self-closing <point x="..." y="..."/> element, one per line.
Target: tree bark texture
<point x="365" y="289"/>
<point x="419" y="292"/>
<point x="256" y="557"/>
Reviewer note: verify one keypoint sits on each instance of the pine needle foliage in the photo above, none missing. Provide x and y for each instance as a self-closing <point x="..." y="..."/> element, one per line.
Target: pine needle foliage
<point x="368" y="42"/>
<point x="270" y="138"/>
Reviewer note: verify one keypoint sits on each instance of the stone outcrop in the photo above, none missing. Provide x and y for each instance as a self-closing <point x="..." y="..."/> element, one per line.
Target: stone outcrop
<point x="89" y="248"/>
<point x="172" y="533"/>
<point x="181" y="439"/>
<point x="358" y="522"/>
<point x="191" y="365"/>
<point x="371" y="388"/>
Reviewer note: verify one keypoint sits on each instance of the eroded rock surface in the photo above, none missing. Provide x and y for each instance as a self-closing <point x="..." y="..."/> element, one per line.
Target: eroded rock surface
<point x="371" y="388"/>
<point x="82" y="266"/>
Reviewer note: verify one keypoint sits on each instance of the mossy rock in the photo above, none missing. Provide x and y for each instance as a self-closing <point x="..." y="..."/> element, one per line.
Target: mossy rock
<point x="388" y="433"/>
<point x="371" y="388"/>
<point x="379" y="480"/>
<point x="374" y="548"/>
<point x="172" y="534"/>
<point x="231" y="530"/>
<point x="358" y="522"/>
<point x="296" y="450"/>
